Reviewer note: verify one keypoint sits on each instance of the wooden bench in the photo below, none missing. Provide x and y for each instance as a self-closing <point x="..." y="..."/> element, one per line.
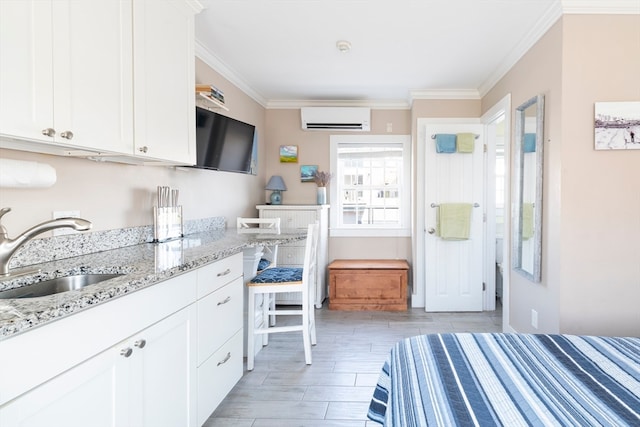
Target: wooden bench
<point x="368" y="284"/>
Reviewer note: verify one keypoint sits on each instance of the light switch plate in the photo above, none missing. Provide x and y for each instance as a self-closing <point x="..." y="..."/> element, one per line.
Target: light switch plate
<point x="65" y="214"/>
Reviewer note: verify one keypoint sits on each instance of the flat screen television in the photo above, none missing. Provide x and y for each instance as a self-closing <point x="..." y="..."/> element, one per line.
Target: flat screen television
<point x="223" y="143"/>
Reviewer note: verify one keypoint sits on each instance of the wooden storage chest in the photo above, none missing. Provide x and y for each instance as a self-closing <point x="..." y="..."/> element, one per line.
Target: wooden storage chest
<point x="363" y="284"/>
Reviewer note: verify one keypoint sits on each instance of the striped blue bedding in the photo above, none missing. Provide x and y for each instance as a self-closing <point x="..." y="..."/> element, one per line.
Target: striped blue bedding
<point x="509" y="380"/>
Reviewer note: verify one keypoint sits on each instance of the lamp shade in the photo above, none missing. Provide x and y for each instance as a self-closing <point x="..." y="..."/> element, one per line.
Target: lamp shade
<point x="276" y="183"/>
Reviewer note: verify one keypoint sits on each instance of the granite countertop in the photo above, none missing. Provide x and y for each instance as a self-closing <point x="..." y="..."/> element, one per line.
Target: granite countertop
<point x="141" y="265"/>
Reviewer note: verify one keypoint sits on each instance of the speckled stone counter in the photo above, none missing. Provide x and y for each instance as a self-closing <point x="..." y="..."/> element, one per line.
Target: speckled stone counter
<point x="141" y="265"/>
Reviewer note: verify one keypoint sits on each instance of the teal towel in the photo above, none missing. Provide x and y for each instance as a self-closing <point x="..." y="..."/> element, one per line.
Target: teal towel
<point x="445" y="143"/>
<point x="453" y="221"/>
<point x="529" y="142"/>
<point x="466" y="142"/>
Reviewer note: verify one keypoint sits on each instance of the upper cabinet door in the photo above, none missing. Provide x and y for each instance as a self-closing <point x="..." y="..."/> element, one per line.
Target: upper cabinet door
<point x="26" y="69"/>
<point x="164" y="75"/>
<point x="66" y="73"/>
<point x="93" y="76"/>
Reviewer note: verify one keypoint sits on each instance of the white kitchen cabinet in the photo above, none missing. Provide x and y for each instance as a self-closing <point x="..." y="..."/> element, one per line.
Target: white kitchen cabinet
<point x="220" y="343"/>
<point x="292" y="254"/>
<point x="111" y="79"/>
<point x="146" y="380"/>
<point x="65" y="75"/>
<point x="164" y="76"/>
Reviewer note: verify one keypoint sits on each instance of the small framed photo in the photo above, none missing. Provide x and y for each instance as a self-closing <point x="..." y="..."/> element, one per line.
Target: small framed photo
<point x="617" y="125"/>
<point x="307" y="172"/>
<point x="288" y="154"/>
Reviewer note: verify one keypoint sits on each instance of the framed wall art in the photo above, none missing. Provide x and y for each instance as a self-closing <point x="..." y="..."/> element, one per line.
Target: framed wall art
<point x="288" y="154"/>
<point x="307" y="173"/>
<point x="617" y="125"/>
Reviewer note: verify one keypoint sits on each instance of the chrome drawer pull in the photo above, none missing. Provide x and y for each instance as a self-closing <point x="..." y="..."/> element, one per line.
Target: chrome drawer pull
<point x="224" y="273"/>
<point x="225" y="360"/>
<point x="126" y="352"/>
<point x="140" y="343"/>
<point x="226" y="300"/>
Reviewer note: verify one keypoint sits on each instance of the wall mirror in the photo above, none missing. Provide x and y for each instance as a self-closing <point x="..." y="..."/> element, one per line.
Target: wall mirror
<point x="527" y="212"/>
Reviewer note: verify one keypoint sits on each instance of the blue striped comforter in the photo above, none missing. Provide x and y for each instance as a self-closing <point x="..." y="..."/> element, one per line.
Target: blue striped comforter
<point x="509" y="380"/>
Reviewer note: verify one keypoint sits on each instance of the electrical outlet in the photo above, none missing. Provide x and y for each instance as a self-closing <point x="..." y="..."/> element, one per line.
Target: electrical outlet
<point x="65" y="214"/>
<point x="534" y="318"/>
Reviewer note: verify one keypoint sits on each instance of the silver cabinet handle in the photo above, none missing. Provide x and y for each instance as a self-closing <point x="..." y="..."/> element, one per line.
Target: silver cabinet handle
<point x="126" y="352"/>
<point x="226" y="300"/>
<point x="67" y="134"/>
<point x="224" y="273"/>
<point x="140" y="343"/>
<point x="49" y="132"/>
<point x="431" y="230"/>
<point x="143" y="149"/>
<point x="225" y="360"/>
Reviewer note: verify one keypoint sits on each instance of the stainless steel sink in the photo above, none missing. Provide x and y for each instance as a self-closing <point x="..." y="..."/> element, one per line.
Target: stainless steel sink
<point x="55" y="286"/>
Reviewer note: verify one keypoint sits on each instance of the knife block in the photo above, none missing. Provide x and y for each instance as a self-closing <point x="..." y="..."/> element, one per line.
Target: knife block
<point x="167" y="223"/>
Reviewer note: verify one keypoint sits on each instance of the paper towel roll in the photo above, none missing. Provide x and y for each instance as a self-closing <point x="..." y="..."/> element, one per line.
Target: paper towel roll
<point x="24" y="174"/>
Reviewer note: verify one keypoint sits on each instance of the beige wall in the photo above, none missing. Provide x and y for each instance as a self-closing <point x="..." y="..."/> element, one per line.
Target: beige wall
<point x="600" y="241"/>
<point x="113" y="195"/>
<point x="284" y="128"/>
<point x="591" y="212"/>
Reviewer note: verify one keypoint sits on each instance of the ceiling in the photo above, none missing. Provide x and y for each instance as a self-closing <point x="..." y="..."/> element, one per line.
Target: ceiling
<point x="283" y="52"/>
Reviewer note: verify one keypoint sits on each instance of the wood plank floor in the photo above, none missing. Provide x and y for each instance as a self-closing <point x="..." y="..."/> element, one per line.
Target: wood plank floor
<point x="336" y="389"/>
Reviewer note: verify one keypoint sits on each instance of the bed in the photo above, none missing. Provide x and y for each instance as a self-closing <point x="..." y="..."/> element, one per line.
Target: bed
<point x="467" y="379"/>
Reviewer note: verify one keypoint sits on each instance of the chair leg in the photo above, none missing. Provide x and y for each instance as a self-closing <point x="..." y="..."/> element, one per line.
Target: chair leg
<point x="306" y="336"/>
<point x="312" y="323"/>
<point x="272" y="306"/>
<point x="251" y="324"/>
<point x="266" y="302"/>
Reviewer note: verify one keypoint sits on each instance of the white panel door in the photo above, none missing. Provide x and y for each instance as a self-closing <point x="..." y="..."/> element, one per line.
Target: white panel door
<point x="453" y="269"/>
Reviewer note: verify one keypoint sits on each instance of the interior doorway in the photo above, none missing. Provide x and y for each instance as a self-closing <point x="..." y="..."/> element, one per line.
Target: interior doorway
<point x="497" y="122"/>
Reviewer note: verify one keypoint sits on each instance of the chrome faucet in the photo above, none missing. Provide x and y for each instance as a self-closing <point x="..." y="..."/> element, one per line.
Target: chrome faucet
<point x="8" y="247"/>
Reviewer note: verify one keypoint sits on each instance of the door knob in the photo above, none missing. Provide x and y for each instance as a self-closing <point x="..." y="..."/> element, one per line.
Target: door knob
<point x="67" y="134"/>
<point x="143" y="149"/>
<point x="431" y="230"/>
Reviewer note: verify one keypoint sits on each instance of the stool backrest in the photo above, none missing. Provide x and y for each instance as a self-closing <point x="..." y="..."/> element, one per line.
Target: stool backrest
<point x="258" y="225"/>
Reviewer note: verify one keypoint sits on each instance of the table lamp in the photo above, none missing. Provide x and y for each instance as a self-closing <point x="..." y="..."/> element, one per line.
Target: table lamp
<point x="276" y="183"/>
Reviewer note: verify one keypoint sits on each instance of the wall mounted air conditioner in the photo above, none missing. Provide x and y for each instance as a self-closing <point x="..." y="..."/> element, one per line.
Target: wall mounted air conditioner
<point x="336" y="118"/>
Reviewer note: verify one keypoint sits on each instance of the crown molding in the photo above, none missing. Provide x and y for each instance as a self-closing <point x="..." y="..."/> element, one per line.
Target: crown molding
<point x="609" y="7"/>
<point x="445" y="94"/>
<point x="285" y="104"/>
<point x="542" y="26"/>
<point x="214" y="62"/>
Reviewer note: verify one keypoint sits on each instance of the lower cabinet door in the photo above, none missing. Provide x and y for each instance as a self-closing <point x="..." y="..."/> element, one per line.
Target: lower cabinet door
<point x="217" y="376"/>
<point x="86" y="395"/>
<point x="148" y="379"/>
<point x="163" y="372"/>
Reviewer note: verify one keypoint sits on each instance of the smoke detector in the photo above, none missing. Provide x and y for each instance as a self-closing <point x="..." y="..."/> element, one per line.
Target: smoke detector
<point x="343" y="46"/>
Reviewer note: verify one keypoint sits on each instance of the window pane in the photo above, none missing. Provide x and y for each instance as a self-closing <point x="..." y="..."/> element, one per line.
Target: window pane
<point x="375" y="171"/>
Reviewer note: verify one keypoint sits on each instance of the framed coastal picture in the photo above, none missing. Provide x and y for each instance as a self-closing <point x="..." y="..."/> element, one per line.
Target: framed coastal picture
<point x="288" y="154"/>
<point x="307" y="172"/>
<point x="617" y="125"/>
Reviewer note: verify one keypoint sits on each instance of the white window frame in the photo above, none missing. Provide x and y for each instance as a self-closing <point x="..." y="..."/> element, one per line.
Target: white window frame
<point x="353" y="230"/>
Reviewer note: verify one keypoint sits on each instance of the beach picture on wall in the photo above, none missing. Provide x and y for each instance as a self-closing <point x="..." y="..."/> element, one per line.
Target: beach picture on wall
<point x="288" y="154"/>
<point x="617" y="125"/>
<point x="307" y="173"/>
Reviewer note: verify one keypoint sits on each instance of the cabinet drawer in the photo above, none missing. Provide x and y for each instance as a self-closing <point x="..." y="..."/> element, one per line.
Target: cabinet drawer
<point x="218" y="375"/>
<point x="291" y="219"/>
<point x="219" y="317"/>
<point x="217" y="274"/>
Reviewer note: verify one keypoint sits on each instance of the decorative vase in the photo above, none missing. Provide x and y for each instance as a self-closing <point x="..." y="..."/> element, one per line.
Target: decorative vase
<point x="321" y="196"/>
